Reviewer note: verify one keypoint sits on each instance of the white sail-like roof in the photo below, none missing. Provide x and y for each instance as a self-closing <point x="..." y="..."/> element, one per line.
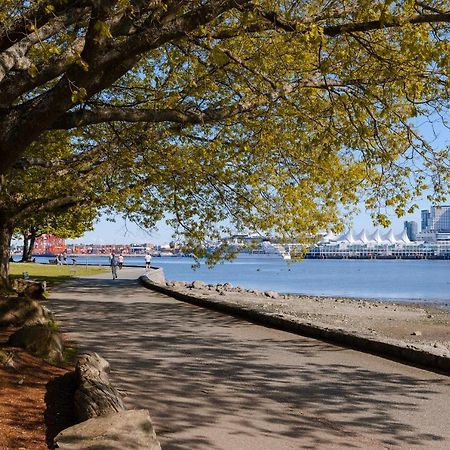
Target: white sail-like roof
<point x="361" y="237"/>
<point x="403" y="237"/>
<point x="375" y="237"/>
<point x="389" y="237"/>
<point x="347" y="237"/>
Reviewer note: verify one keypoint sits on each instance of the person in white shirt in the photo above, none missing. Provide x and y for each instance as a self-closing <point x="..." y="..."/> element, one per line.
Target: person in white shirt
<point x="148" y="260"/>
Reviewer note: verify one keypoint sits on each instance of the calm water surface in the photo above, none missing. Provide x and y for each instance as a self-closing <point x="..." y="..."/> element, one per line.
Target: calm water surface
<point x="394" y="280"/>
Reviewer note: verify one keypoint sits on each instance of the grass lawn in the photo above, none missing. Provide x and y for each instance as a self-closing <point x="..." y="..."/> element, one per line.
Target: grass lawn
<point x="53" y="273"/>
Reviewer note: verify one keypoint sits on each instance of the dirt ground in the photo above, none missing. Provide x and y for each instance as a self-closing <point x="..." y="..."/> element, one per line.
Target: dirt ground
<point x="35" y="399"/>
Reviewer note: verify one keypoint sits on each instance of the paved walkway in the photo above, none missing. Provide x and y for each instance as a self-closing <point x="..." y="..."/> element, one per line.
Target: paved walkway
<point x="211" y="381"/>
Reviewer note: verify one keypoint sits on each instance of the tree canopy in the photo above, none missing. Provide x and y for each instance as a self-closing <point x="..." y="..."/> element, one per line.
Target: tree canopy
<point x="265" y="114"/>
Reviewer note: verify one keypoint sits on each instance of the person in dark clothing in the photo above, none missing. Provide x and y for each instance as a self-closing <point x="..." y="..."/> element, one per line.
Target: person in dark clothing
<point x="113" y="263"/>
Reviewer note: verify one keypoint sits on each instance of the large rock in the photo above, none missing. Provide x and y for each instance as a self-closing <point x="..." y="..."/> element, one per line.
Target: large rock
<point x="156" y="275"/>
<point x="95" y="395"/>
<point x="23" y="311"/>
<point x="39" y="340"/>
<point x="93" y="367"/>
<point x="30" y="288"/>
<point x="123" y="430"/>
<point x="197" y="284"/>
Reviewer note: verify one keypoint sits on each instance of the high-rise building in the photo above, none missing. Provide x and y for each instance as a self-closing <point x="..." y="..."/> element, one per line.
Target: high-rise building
<point x="411" y="230"/>
<point x="440" y="219"/>
<point x="425" y="220"/>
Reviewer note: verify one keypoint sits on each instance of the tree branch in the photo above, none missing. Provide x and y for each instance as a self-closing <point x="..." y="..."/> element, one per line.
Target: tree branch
<point x="351" y="27"/>
<point x="393" y="22"/>
<point x="12" y="87"/>
<point x="36" y="16"/>
<point x="44" y="205"/>
<point x="14" y="56"/>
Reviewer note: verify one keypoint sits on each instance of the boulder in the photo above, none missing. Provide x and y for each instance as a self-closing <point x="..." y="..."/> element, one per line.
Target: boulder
<point x="39" y="340"/>
<point x="255" y="292"/>
<point x="30" y="288"/>
<point x="271" y="294"/>
<point x="122" y="430"/>
<point x="198" y="284"/>
<point x="23" y="311"/>
<point x="227" y="286"/>
<point x="156" y="275"/>
<point x="92" y="366"/>
<point x="95" y="395"/>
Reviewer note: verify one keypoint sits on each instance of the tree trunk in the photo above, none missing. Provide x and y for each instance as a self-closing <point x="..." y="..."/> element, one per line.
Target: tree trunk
<point x="6" y="231"/>
<point x="29" y="236"/>
<point x="25" y="246"/>
<point x="33" y="235"/>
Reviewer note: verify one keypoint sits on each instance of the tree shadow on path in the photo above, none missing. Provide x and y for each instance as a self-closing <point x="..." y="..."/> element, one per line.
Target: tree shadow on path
<point x="204" y="375"/>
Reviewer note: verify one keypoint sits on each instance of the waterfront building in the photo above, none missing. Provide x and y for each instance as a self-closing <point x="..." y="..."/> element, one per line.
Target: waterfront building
<point x="378" y="245"/>
<point x="411" y="230"/>
<point x="106" y="249"/>
<point x="436" y="220"/>
<point x="425" y="215"/>
<point x="440" y="219"/>
<point x="433" y="236"/>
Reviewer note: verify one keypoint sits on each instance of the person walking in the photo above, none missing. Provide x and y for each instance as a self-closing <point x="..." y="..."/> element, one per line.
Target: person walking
<point x="120" y="261"/>
<point x="113" y="263"/>
<point x="148" y="260"/>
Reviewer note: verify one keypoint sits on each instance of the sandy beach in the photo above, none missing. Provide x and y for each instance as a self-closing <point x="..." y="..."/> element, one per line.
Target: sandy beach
<point x="419" y="325"/>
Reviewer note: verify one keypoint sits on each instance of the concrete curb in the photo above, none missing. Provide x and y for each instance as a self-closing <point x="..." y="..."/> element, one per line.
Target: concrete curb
<point x="381" y="347"/>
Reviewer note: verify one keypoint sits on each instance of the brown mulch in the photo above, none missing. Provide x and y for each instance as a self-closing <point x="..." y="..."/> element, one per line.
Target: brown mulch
<point x="35" y="400"/>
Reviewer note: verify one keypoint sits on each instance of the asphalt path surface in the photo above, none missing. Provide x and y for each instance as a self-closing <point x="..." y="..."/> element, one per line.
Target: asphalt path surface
<point x="211" y="381"/>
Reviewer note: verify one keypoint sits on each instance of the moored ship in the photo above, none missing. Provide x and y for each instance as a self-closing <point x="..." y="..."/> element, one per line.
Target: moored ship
<point x="264" y="249"/>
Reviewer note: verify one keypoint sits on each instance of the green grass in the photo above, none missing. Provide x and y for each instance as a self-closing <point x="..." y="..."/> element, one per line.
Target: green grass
<point x="53" y="274"/>
<point x="70" y="354"/>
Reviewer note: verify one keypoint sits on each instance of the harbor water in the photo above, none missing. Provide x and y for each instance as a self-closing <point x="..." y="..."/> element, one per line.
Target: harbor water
<point x="390" y="280"/>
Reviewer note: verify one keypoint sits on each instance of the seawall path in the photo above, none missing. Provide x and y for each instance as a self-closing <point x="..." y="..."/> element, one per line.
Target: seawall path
<point x="211" y="381"/>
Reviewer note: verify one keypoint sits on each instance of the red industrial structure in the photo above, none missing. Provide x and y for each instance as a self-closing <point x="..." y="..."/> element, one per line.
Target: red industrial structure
<point x="47" y="244"/>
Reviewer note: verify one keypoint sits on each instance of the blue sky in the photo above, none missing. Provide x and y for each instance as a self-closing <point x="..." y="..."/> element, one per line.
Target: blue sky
<point x="122" y="232"/>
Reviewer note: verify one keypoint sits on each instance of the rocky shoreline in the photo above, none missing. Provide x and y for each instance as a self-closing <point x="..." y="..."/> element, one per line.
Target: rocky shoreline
<point x="425" y="328"/>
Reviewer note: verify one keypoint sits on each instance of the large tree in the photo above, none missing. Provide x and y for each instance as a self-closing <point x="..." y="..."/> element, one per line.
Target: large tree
<point x="353" y="66"/>
<point x="266" y="114"/>
<point x="56" y="190"/>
